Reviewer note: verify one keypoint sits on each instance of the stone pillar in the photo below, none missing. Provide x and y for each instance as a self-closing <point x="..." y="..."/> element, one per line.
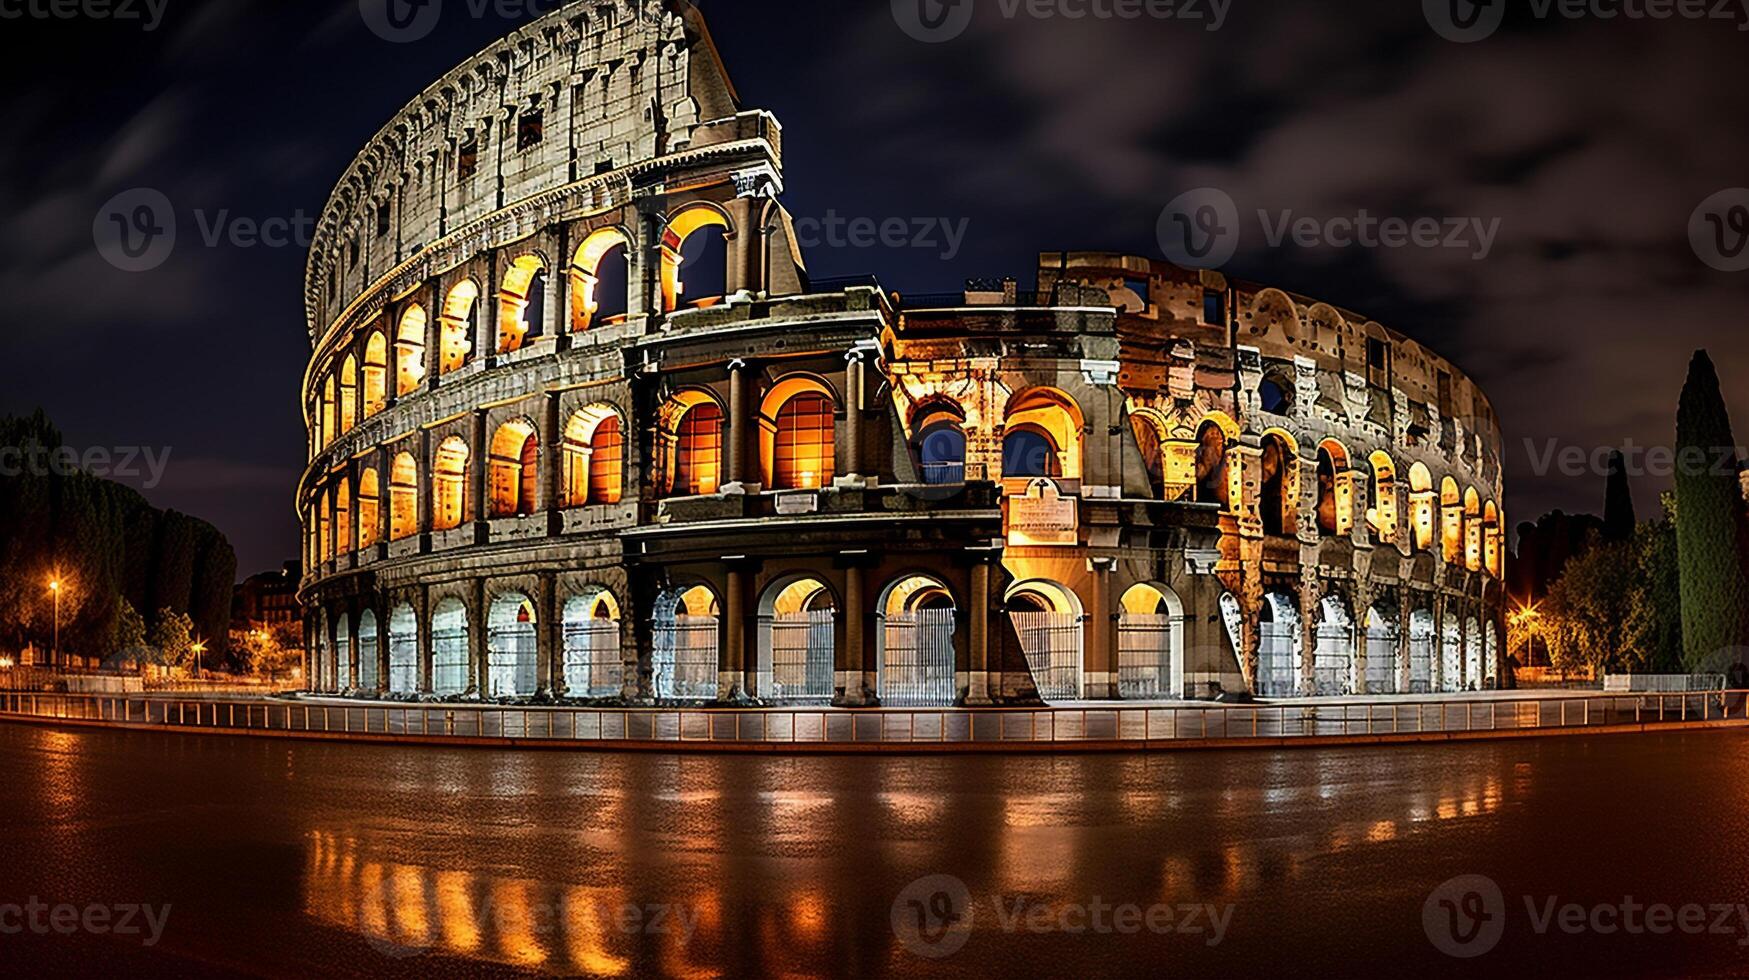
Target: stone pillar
<point x="425" y="489"/>
<point x="1308" y="598"/>
<point x="1099" y="672"/>
<point x="549" y="638"/>
<point x="855" y="396"/>
<point x="486" y="320"/>
<point x="478" y="647"/>
<point x="384" y="609"/>
<point x="743" y="460"/>
<point x="977" y="679"/>
<point x="644" y="262"/>
<point x="1362" y="638"/>
<point x="856" y="680"/>
<point x="552" y="465"/>
<point x="432" y="299"/>
<point x="422" y="613"/>
<point x="735" y="676"/>
<point x="354" y="655"/>
<point x="479" y="463"/>
<point x="745" y="245"/>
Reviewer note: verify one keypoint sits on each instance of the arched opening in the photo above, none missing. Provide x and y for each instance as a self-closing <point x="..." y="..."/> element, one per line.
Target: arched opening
<point x="521" y="303"/>
<point x="449" y="648"/>
<point x="515" y="469"/>
<point x="692" y="432"/>
<point x="600" y="280"/>
<point x="1276" y="501"/>
<point x="1381" y="514"/>
<point x="1494" y="678"/>
<point x="915" y="661"/>
<point x="940" y="442"/>
<point x="1275" y="394"/>
<point x="1423" y="514"/>
<point x="403" y="650"/>
<point x="1333" y="664"/>
<point x="348" y="394"/>
<point x="370" y="514"/>
<point x="322" y="669"/>
<point x="512" y="651"/>
<point x="1493" y="554"/>
<point x="449" y="479"/>
<point x="1381" y="649"/>
<point x="695" y="258"/>
<point x="1474" y="655"/>
<point x="343" y="653"/>
<point x="410" y="350"/>
<point x="1150" y="434"/>
<point x="1042" y="436"/>
<point x="457" y="327"/>
<point x="1278" y="650"/>
<point x="367" y="650"/>
<point x="1451" y="666"/>
<point x="1212" y="486"/>
<point x="324" y="527"/>
<point x="1451" y="520"/>
<point x="376" y="374"/>
<point x="798" y="640"/>
<point x="1047" y="618"/>
<point x="343" y="517"/>
<point x="684" y="644"/>
<point x="594" y="458"/>
<point x="593" y="668"/>
<point x="403" y="497"/>
<point x="1150" y="643"/>
<point x="1335" y="492"/>
<point x="1421" y="643"/>
<point x="797" y="435"/>
<point x="330" y="411"/>
<point x="1472" y="530"/>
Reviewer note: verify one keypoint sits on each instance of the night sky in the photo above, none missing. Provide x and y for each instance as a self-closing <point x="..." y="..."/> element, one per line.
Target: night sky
<point x="1592" y="142"/>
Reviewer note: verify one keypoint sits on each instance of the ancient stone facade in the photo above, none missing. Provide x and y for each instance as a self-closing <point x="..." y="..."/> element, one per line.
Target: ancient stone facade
<point x="581" y="426"/>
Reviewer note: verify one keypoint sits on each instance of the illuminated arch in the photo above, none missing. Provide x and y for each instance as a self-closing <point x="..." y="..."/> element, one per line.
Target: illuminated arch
<point x="1472" y="530"/>
<point x="343" y="516"/>
<point x="1493" y="553"/>
<point x="587" y="280"/>
<point x="593" y="461"/>
<point x="455" y="336"/>
<point x="798" y="617"/>
<point x="690" y="441"/>
<point x="513" y="479"/>
<point x="797" y="437"/>
<point x="369" y="507"/>
<point x="682" y="225"/>
<point x="1213" y="484"/>
<point x="330" y="427"/>
<point x="1451" y="521"/>
<point x="1052" y="414"/>
<point x="1046" y="618"/>
<point x="410" y="350"/>
<point x="1278" y="502"/>
<point x="914" y="642"/>
<point x="591" y="626"/>
<point x="403" y="497"/>
<point x="1150" y="642"/>
<point x="1335" y="489"/>
<point x="512" y="652"/>
<point x="1381" y="513"/>
<point x="348" y="394"/>
<point x="521" y="302"/>
<point x="324" y="528"/>
<point x="938" y="435"/>
<point x="1423" y="511"/>
<point x="1152" y="430"/>
<point x="686" y="643"/>
<point x="449" y="484"/>
<point x="450" y="661"/>
<point x="375" y="389"/>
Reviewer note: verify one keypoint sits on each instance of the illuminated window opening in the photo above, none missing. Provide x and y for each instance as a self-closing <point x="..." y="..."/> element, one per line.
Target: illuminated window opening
<point x="348" y="394"/>
<point x="606" y="463"/>
<point x="343" y="517"/>
<point x="521" y="303"/>
<point x="803" y="446"/>
<point x="698" y="455"/>
<point x="376" y="374"/>
<point x="600" y="280"/>
<point x="515" y="470"/>
<point x="449" y="472"/>
<point x="410" y="351"/>
<point x="369" y="508"/>
<point x="456" y="326"/>
<point x="403" y="497"/>
<point x="681" y="228"/>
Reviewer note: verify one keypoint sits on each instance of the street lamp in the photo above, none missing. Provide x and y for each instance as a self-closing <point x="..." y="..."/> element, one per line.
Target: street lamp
<point x="198" y="649"/>
<point x="55" y="650"/>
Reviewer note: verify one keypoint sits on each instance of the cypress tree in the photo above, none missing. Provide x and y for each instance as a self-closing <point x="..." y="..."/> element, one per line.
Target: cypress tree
<point x="1618" y="501"/>
<point x="1709" y="522"/>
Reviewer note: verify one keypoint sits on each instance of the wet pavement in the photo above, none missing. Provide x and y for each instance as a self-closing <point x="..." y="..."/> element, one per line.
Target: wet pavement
<point x="282" y="858"/>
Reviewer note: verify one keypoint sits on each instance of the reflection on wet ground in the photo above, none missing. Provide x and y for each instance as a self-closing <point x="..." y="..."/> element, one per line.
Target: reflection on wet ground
<point x="285" y="858"/>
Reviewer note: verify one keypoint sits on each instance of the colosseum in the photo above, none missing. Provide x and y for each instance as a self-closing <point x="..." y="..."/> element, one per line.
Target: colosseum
<point x="583" y="428"/>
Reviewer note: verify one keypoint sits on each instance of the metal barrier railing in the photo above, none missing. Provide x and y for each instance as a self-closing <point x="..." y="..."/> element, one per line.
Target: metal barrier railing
<point x="892" y="726"/>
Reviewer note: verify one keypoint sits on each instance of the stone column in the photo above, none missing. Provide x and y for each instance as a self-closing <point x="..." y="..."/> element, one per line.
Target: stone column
<point x="735" y="676"/>
<point x="433" y="302"/>
<point x="977" y="679"/>
<point x="479" y="463"/>
<point x="552" y="465"/>
<point x="856" y="680"/>
<point x="1098" y="675"/>
<point x="424" y="489"/>
<point x="354" y="655"/>
<point x="743" y="471"/>
<point x="1309" y="595"/>
<point x="422" y="613"/>
<point x="384" y="610"/>
<point x="744" y="246"/>
<point x="549" y="637"/>
<point x="478" y="645"/>
<point x="855" y="396"/>
<point x="486" y="318"/>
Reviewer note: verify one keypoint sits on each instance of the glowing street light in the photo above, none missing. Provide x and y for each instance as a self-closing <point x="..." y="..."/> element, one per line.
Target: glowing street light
<point x="55" y="650"/>
<point x="198" y="649"/>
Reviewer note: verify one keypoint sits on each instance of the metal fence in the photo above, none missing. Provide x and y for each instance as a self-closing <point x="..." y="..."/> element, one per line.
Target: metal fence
<point x="1143" y="726"/>
<point x="1144" y="656"/>
<point x="803" y="650"/>
<point x="1052" y="644"/>
<point x="683" y="661"/>
<point x="592" y="660"/>
<point x="1278" y="660"/>
<point x="917" y="659"/>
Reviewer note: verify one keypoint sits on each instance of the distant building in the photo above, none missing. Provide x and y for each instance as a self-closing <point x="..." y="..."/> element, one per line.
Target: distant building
<point x="270" y="598"/>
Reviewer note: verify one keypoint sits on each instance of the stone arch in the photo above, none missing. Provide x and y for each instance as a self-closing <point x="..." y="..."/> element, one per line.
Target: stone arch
<point x="1042" y="435"/>
<point x="1335" y="489"/>
<point x="593" y="467"/>
<point x="691" y="442"/>
<point x="344" y="653"/>
<point x="1046" y="616"/>
<point x="686" y="639"/>
<point x="450" y="657"/>
<point x="370" y="514"/>
<point x="600" y="280"/>
<point x="348" y="394"/>
<point x="1423" y="512"/>
<point x="1472" y="530"/>
<point x="1422" y="643"/>
<point x="1278" y="497"/>
<point x="938" y="427"/>
<point x="592" y="664"/>
<point x="449" y="484"/>
<point x="1276" y="391"/>
<point x="330" y="411"/>
<point x="457" y="329"/>
<point x="1333" y="660"/>
<point x="1213" y="484"/>
<point x="1451" y="521"/>
<point x="1383" y="626"/>
<point x="797" y="439"/>
<point x="1493" y="552"/>
<point x="512" y="647"/>
<point x="521" y="301"/>
<point x="915" y="660"/>
<point x="1150" y="642"/>
<point x="403" y="497"/>
<point x="682" y="226"/>
<point x="1381" y="512"/>
<point x="798" y="639"/>
<point x="1279" y="653"/>
<point x="1152" y="430"/>
<point x="343" y="516"/>
<point x="368" y="640"/>
<point x="403" y="676"/>
<point x="410" y="350"/>
<point x="374" y="390"/>
<point x="513" y="479"/>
